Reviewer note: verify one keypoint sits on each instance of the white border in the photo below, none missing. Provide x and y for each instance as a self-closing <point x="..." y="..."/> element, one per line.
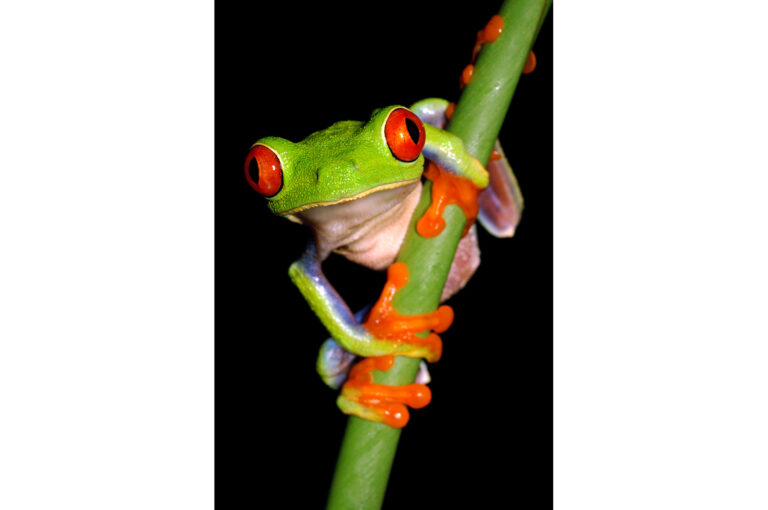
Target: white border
<point x="106" y="273"/>
<point x="661" y="273"/>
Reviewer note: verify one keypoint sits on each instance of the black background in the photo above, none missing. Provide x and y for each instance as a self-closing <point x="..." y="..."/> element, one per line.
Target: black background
<point x="288" y="69"/>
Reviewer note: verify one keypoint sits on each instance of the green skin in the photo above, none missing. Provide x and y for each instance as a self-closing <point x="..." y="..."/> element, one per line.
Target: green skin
<point x="328" y="172"/>
<point x="351" y="158"/>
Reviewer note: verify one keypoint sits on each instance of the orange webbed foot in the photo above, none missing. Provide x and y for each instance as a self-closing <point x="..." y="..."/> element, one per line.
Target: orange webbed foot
<point x="384" y="322"/>
<point x="447" y="189"/>
<point x="361" y="397"/>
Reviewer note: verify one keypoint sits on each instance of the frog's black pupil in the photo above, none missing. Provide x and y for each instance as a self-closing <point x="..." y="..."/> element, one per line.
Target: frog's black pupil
<point x="253" y="170"/>
<point x="413" y="130"/>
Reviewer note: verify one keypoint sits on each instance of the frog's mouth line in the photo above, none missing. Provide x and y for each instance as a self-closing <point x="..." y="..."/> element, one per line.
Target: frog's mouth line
<point x="367" y="192"/>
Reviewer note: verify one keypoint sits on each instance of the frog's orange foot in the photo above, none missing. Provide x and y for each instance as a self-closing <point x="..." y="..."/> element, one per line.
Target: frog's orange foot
<point x="530" y="63"/>
<point x="387" y="325"/>
<point x="447" y="189"/>
<point x="360" y="396"/>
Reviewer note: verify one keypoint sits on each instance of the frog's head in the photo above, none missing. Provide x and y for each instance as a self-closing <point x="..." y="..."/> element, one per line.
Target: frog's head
<point x="344" y="162"/>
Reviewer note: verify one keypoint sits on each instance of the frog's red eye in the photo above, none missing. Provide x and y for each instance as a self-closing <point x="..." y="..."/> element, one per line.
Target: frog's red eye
<point x="405" y="134"/>
<point x="263" y="170"/>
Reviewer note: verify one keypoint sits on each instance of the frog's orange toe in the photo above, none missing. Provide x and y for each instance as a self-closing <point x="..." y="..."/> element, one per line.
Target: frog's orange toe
<point x="388" y="325"/>
<point x="444" y="316"/>
<point x="414" y="395"/>
<point x="431" y="224"/>
<point x="447" y="189"/>
<point x="397" y="274"/>
<point x="360" y="396"/>
<point x="530" y="63"/>
<point x="395" y="415"/>
<point x="432" y="343"/>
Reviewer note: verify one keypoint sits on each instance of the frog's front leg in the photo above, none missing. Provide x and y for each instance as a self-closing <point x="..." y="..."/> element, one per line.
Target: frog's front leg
<point x="444" y="148"/>
<point x="447" y="151"/>
<point x="360" y="395"/>
<point x="498" y="206"/>
<point x="383" y="334"/>
<point x="334" y="363"/>
<point x="457" y="176"/>
<point x="392" y="335"/>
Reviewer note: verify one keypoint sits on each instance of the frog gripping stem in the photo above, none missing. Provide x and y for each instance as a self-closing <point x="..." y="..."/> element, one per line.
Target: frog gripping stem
<point x="447" y="189"/>
<point x="360" y="396"/>
<point x="385" y="322"/>
<point x="368" y="448"/>
<point x="379" y="402"/>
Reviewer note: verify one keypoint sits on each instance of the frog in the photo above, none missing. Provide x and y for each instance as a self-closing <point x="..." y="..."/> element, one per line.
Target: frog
<point x="356" y="185"/>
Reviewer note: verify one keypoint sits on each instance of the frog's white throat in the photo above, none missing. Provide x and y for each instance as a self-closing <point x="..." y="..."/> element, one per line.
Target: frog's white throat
<point x="367" y="230"/>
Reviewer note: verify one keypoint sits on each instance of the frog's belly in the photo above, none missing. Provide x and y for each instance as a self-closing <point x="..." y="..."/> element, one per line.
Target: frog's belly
<point x="370" y="231"/>
<point x="376" y="242"/>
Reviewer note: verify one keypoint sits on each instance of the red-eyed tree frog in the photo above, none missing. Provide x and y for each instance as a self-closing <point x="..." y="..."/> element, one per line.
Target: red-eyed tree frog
<point x="356" y="185"/>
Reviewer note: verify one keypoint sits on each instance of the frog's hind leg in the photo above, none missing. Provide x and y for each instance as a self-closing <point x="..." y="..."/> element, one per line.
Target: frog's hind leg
<point x="333" y="361"/>
<point x="501" y="203"/>
<point x="465" y="262"/>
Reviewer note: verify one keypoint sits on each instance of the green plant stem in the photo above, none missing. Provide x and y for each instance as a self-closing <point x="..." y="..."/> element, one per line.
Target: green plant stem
<point x="368" y="448"/>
